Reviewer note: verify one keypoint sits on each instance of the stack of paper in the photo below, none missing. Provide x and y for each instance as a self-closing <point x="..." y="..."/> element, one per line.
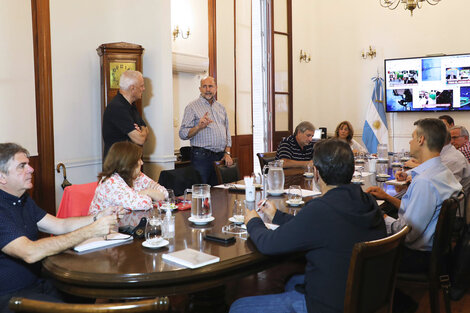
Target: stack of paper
<point x="190" y="258"/>
<point x="113" y="239"/>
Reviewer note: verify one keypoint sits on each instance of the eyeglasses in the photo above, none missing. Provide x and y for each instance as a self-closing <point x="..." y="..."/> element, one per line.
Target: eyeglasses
<point x="455" y="137"/>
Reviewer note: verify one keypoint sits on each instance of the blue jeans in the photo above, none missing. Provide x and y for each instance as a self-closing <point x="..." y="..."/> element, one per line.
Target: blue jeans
<point x="289" y="301"/>
<point x="201" y="160"/>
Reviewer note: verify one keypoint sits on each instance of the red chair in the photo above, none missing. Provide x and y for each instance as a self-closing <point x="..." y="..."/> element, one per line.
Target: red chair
<point x="76" y="200"/>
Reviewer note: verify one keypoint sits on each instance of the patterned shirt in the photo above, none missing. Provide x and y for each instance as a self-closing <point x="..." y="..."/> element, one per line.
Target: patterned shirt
<point x="114" y="191"/>
<point x="216" y="136"/>
<point x="290" y="149"/>
<point x="465" y="149"/>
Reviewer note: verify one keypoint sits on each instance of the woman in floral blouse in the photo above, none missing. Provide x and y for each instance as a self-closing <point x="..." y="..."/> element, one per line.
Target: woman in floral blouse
<point x="123" y="184"/>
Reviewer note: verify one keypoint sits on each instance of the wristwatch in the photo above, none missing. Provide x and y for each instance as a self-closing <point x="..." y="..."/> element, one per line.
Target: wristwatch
<point x="228" y="153"/>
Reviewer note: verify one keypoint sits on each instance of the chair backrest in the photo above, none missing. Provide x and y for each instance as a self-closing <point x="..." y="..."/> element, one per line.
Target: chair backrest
<point x="372" y="274"/>
<point x="160" y="304"/>
<point x="441" y="247"/>
<point x="179" y="179"/>
<point x="227" y="174"/>
<point x="185" y="153"/>
<point x="266" y="157"/>
<point x="76" y="200"/>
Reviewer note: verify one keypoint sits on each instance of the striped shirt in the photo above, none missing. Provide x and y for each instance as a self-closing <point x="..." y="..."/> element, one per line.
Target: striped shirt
<point x="216" y="136"/>
<point x="289" y="149"/>
<point x="465" y="149"/>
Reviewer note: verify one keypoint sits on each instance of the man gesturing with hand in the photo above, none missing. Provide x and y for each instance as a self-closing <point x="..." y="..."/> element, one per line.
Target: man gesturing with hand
<point x="205" y="124"/>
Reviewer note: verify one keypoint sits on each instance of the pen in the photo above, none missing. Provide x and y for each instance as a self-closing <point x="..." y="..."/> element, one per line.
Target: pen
<point x="261" y="205"/>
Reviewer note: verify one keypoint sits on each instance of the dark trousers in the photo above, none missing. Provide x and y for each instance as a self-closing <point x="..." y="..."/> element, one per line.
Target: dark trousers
<point x="201" y="160"/>
<point x="42" y="290"/>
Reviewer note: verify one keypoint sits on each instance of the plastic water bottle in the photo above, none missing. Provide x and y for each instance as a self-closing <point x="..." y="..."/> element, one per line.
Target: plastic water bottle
<point x="168" y="229"/>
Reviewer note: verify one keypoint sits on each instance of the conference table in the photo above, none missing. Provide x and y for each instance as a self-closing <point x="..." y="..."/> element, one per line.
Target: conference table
<point x="131" y="271"/>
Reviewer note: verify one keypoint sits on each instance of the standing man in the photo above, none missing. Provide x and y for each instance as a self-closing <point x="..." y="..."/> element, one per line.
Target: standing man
<point x="459" y="138"/>
<point x="205" y="124"/>
<point x="297" y="149"/>
<point x="121" y="120"/>
<point x="20" y="221"/>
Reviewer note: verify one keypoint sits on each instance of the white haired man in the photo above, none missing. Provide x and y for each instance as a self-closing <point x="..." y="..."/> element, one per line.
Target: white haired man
<point x="121" y="120"/>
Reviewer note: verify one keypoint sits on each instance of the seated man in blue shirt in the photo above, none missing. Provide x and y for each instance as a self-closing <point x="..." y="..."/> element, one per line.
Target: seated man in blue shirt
<point x="326" y="229"/>
<point x="432" y="183"/>
<point x="297" y="149"/>
<point x="20" y="221"/>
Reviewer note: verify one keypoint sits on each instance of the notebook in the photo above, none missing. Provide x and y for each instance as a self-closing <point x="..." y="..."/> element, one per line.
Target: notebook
<point x="92" y="244"/>
<point x="190" y="258"/>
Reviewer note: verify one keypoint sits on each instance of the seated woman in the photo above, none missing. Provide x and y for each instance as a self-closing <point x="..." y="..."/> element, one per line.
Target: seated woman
<point x="345" y="132"/>
<point x="123" y="184"/>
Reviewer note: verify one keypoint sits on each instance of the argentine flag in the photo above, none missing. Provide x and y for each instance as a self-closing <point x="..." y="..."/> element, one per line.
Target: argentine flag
<point x="375" y="127"/>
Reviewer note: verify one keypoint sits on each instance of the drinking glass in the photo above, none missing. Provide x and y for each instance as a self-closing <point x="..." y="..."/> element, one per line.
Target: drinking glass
<point x="201" y="201"/>
<point x="357" y="176"/>
<point x="238" y="212"/>
<point x="153" y="230"/>
<point x="171" y="199"/>
<point x="295" y="194"/>
<point x="309" y="172"/>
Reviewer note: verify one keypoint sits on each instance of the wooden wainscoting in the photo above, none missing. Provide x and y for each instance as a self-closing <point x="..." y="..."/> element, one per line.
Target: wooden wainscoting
<point x="242" y="148"/>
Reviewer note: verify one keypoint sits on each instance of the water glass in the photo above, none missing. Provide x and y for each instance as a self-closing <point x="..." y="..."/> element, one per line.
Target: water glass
<point x="357" y="176"/>
<point x="153" y="230"/>
<point x="238" y="212"/>
<point x="295" y="194"/>
<point x="382" y="151"/>
<point x="309" y="172"/>
<point x="201" y="201"/>
<point x="171" y="199"/>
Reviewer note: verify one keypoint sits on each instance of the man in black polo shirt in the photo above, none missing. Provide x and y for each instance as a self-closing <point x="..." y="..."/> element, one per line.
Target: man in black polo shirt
<point x="297" y="149"/>
<point x="121" y="120"/>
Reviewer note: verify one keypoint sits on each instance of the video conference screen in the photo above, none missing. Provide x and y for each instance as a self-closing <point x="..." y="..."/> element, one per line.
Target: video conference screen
<point x="440" y="83"/>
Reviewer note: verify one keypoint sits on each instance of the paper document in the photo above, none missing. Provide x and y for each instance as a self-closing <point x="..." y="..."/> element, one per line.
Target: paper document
<point x="306" y="192"/>
<point x="190" y="258"/>
<point x="114" y="239"/>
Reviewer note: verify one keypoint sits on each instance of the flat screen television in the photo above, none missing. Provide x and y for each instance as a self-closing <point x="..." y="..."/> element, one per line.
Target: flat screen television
<point x="428" y="84"/>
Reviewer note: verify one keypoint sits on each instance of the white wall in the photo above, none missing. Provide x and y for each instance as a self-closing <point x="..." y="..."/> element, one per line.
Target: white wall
<point x="338" y="79"/>
<point x="192" y="14"/>
<point x="17" y="90"/>
<point x="76" y="32"/>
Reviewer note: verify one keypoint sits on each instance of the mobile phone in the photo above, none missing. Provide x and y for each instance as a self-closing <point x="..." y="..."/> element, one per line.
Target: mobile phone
<point x="220" y="237"/>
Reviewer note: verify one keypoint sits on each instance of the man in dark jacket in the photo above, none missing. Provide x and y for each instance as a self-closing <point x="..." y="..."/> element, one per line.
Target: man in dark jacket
<point x="326" y="229"/>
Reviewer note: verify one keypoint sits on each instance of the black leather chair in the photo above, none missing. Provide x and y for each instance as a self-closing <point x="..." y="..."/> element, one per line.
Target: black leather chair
<point x="179" y="179"/>
<point x="227" y="174"/>
<point x="185" y="153"/>
<point x="160" y="304"/>
<point x="438" y="275"/>
<point x="266" y="157"/>
<point x="372" y="274"/>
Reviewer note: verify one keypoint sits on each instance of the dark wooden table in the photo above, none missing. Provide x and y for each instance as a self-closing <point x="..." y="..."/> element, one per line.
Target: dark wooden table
<point x="131" y="271"/>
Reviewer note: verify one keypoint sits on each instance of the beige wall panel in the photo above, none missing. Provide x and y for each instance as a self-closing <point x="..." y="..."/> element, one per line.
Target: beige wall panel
<point x="17" y="88"/>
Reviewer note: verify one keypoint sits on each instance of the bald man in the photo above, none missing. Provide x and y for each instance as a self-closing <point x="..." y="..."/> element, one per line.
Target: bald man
<point x="205" y="124"/>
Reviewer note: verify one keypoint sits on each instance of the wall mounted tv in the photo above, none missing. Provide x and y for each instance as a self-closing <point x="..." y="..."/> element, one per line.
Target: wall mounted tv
<point x="428" y="84"/>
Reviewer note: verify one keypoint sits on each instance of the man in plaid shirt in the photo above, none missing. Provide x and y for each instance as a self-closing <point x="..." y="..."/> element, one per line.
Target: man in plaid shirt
<point x="459" y="138"/>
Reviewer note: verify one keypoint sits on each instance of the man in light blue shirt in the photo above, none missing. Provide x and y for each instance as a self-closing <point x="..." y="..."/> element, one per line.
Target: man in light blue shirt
<point x="205" y="124"/>
<point x="432" y="183"/>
